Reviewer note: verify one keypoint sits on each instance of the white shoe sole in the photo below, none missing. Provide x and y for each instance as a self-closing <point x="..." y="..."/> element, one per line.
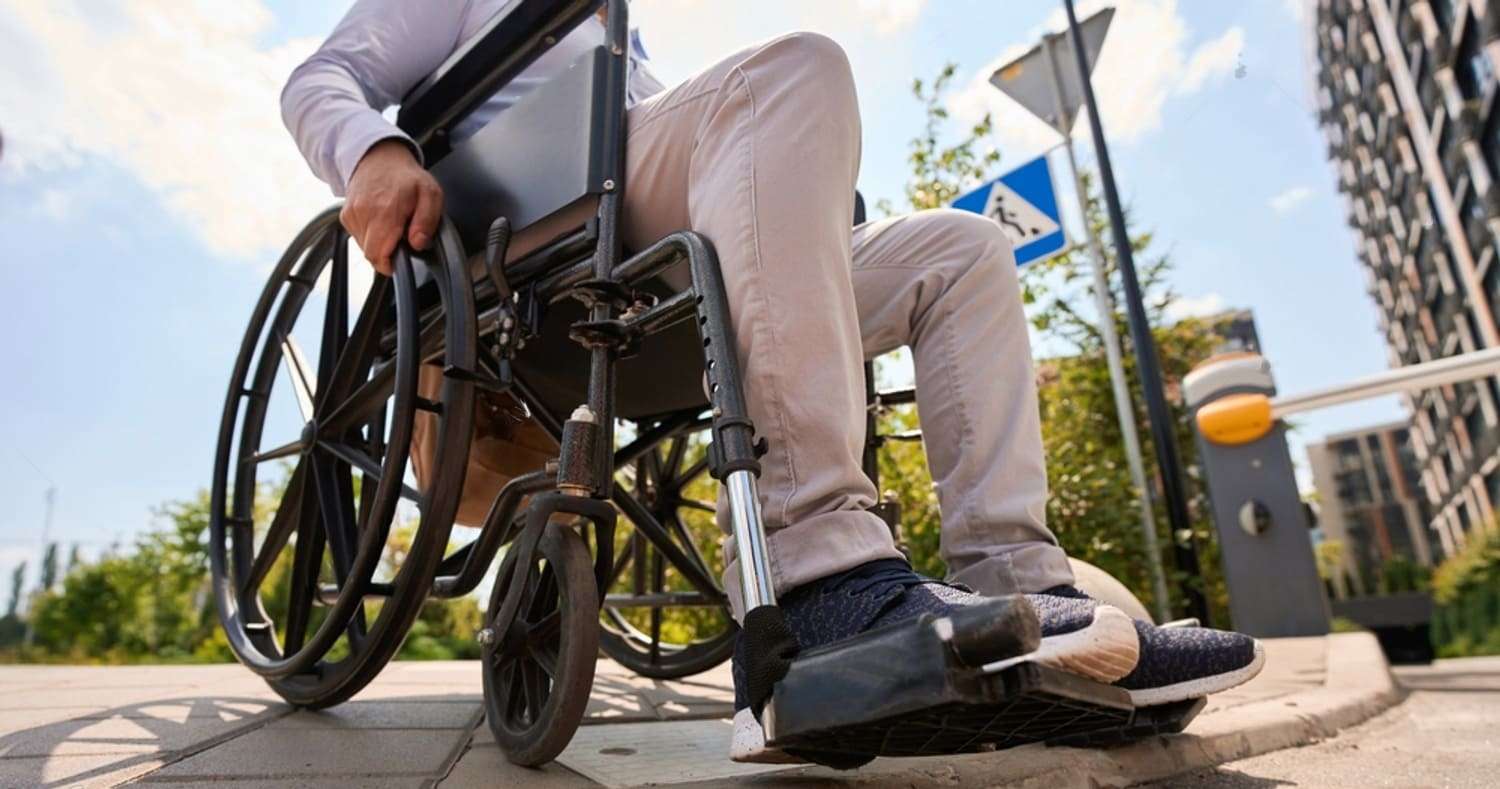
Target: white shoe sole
<point x="748" y="745"/>
<point x="1203" y="686"/>
<point x="1104" y="651"/>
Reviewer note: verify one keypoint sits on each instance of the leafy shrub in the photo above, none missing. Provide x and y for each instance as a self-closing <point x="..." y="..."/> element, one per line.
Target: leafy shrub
<point x="1466" y="592"/>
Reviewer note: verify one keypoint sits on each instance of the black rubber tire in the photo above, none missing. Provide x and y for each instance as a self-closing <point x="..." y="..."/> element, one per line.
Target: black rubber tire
<point x="360" y="423"/>
<point x="540" y="729"/>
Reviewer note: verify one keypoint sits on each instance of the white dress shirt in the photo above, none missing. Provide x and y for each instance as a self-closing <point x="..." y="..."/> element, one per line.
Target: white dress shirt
<point x="333" y="103"/>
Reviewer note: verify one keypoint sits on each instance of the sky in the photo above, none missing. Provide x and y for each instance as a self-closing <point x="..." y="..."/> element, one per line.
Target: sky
<point x="146" y="186"/>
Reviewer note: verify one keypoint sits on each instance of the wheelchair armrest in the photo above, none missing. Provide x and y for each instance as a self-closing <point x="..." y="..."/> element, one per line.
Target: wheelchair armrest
<point x="517" y="35"/>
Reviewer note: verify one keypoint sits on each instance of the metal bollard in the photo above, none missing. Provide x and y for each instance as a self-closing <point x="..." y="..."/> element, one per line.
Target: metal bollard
<point x="1274" y="589"/>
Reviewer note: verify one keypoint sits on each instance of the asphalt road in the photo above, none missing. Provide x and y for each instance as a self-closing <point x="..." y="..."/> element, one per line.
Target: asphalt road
<point x="1445" y="734"/>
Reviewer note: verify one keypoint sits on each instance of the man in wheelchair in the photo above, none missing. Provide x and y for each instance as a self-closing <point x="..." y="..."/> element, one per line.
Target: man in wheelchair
<point x="760" y="153"/>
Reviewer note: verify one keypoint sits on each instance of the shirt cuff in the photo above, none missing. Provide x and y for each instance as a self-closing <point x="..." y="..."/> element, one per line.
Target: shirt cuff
<point x="356" y="145"/>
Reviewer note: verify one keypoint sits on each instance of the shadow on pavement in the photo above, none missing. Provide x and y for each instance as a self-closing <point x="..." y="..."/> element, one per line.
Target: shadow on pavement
<point x="113" y="741"/>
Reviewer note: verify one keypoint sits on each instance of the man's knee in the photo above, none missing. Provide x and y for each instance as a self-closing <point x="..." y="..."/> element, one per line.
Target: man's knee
<point x="980" y="240"/>
<point x="815" y="61"/>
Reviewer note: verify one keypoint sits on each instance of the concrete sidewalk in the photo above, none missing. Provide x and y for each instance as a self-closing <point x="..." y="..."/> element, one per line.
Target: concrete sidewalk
<point x="419" y="725"/>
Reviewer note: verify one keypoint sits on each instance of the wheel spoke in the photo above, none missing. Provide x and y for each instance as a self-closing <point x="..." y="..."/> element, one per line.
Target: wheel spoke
<point x="365" y="400"/>
<point x="545" y="629"/>
<point x="371" y="468"/>
<point x="544" y="600"/>
<point x="300" y="374"/>
<point x="674" y="457"/>
<point x="359" y="350"/>
<point x="638" y="553"/>
<point x="335" y="315"/>
<point x="335" y="496"/>
<point x="545" y="656"/>
<point x="376" y="445"/>
<point x="621" y="562"/>
<point x="536" y="688"/>
<point x="658" y="576"/>
<point x="284" y="451"/>
<point x="515" y="691"/>
<point x="307" y="558"/>
<point x="680" y="531"/>
<point x="694" y="471"/>
<point x="694" y="504"/>
<point x="283" y="523"/>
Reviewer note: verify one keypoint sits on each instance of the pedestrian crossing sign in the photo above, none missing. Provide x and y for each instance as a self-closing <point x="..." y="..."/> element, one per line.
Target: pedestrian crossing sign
<point x="1024" y="203"/>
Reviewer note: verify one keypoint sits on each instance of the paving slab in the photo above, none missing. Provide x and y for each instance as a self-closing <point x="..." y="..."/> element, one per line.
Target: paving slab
<point x="354" y="755"/>
<point x="484" y="766"/>
<point x="387" y="714"/>
<point x="75" y="771"/>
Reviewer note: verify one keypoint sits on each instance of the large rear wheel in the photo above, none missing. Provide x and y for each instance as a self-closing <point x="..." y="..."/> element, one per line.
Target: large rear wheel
<point x="314" y="585"/>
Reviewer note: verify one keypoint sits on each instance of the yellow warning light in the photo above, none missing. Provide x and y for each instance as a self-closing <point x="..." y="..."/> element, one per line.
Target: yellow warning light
<point x="1236" y="419"/>
<point x="1012" y="71"/>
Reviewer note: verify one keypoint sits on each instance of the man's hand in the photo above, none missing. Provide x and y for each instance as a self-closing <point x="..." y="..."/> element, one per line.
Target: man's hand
<point x="389" y="196"/>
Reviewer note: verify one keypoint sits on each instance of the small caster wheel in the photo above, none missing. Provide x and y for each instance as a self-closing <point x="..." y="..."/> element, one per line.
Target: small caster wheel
<point x="538" y="674"/>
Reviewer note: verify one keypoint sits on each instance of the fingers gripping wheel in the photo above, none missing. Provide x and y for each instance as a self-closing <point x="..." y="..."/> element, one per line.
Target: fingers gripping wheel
<point x="312" y="455"/>
<point x="537" y="674"/>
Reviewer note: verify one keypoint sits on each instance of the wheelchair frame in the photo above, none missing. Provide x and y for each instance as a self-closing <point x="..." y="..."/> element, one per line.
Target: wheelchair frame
<point x="542" y="623"/>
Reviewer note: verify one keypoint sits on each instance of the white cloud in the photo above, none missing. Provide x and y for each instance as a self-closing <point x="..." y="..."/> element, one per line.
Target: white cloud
<point x="891" y="16"/>
<point x="183" y="94"/>
<point x="1146" y="61"/>
<point x="1291" y="198"/>
<point x="179" y="93"/>
<point x="1196" y="306"/>
<point x="1213" y="59"/>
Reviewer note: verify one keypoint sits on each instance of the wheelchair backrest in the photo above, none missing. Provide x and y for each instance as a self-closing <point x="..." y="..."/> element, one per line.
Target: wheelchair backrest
<point x="540" y="156"/>
<point x="553" y="149"/>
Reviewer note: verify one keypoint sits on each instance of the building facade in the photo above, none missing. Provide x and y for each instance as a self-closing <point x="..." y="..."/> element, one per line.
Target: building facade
<point x="1370" y="503"/>
<point x="1407" y="98"/>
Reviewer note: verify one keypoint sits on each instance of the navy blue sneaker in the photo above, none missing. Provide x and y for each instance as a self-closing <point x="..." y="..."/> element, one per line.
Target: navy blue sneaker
<point x="1079" y="635"/>
<point x="1178" y="660"/>
<point x="1179" y="663"/>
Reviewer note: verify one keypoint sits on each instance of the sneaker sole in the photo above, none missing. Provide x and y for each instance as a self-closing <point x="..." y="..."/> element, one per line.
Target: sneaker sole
<point x="1104" y="651"/>
<point x="1203" y="686"/>
<point x="748" y="745"/>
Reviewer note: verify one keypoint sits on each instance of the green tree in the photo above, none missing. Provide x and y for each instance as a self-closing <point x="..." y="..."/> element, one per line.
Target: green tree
<point x="1093" y="503"/>
<point x="17" y="580"/>
<point x="49" y="568"/>
<point x="12" y="629"/>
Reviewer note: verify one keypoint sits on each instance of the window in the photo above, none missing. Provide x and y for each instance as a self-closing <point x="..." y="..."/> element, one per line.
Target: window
<point x="1475" y="72"/>
<point x="1489" y="142"/>
<point x="1442" y="11"/>
<point x="1474" y="422"/>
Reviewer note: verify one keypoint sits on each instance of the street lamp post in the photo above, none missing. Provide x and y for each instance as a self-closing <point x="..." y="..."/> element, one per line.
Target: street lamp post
<point x="1147" y="363"/>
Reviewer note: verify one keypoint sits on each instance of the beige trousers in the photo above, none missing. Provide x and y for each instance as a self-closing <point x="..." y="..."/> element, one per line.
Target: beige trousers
<point x="760" y="153"/>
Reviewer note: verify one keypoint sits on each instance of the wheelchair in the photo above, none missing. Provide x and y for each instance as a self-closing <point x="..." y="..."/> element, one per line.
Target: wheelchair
<point x="627" y="362"/>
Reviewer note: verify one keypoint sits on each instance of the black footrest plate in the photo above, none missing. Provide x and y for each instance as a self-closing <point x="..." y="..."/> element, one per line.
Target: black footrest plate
<point x="901" y="692"/>
<point x="1147" y="722"/>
